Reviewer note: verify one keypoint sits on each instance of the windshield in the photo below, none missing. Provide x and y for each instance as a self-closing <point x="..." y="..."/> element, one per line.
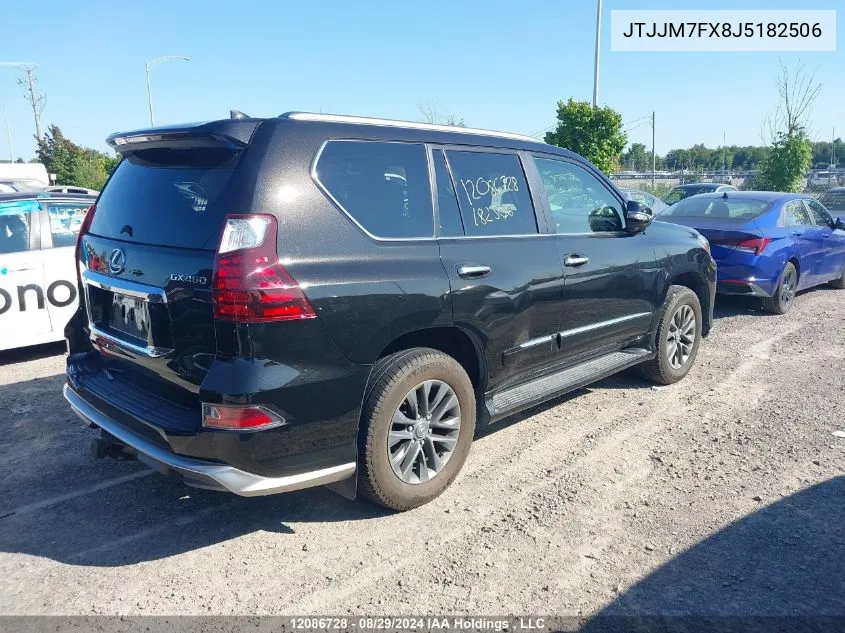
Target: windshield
<point x="722" y="208"/>
<point x="834" y="200"/>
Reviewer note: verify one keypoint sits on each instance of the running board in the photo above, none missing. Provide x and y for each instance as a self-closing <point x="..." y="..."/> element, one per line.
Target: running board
<point x="540" y="389"/>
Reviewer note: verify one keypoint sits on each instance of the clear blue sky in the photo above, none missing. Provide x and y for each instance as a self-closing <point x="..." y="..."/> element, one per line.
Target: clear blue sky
<point x="498" y="64"/>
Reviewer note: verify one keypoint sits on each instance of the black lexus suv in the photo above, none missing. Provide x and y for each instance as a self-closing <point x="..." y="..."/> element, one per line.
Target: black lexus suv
<point x="272" y="304"/>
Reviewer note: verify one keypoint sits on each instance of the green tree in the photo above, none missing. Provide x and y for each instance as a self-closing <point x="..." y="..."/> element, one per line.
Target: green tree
<point x="595" y="133"/>
<point x="637" y="158"/>
<point x="72" y="164"/>
<point x="789" y="159"/>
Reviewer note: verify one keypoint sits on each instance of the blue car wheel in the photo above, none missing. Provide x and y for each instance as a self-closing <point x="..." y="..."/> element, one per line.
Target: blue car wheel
<point x="784" y="295"/>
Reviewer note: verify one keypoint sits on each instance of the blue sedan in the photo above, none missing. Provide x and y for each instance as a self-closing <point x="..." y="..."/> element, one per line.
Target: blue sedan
<point x="768" y="245"/>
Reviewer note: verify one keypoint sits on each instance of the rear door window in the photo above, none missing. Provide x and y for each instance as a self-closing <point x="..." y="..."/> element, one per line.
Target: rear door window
<point x="449" y="214"/>
<point x="492" y="193"/>
<point x="65" y="221"/>
<point x="384" y="187"/>
<point x="168" y="197"/>
<point x="794" y="214"/>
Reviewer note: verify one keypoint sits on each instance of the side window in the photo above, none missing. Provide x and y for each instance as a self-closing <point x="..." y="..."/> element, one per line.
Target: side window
<point x="65" y="221"/>
<point x="794" y="214"/>
<point x="492" y="193"/>
<point x="579" y="202"/>
<point x="819" y="213"/>
<point x="382" y="186"/>
<point x="15" y="223"/>
<point x="447" y="202"/>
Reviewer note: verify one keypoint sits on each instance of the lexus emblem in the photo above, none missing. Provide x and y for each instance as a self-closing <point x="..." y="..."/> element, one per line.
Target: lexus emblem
<point x="117" y="261"/>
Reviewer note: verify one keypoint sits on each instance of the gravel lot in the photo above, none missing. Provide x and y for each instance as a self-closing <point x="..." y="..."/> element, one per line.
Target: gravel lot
<point x="723" y="494"/>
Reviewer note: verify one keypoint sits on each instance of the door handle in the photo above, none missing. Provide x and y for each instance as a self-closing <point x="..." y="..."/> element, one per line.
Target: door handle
<point x="825" y="234"/>
<point x="576" y="260"/>
<point x="798" y="233"/>
<point x="471" y="271"/>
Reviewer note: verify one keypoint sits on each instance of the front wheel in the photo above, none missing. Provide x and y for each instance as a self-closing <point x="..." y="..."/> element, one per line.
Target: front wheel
<point x="416" y="428"/>
<point x="678" y="337"/>
<point x="839" y="283"/>
<point x="781" y="300"/>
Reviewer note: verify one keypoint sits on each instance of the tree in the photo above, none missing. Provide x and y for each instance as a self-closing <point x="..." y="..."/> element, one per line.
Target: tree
<point x="791" y="151"/>
<point x="637" y="158"/>
<point x="72" y="164"/>
<point x="595" y="133"/>
<point x="431" y="114"/>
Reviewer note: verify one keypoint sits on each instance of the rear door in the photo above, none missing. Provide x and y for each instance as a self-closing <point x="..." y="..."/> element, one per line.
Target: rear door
<point x="611" y="275"/>
<point x="504" y="270"/>
<point x="831" y="243"/>
<point x="24" y="319"/>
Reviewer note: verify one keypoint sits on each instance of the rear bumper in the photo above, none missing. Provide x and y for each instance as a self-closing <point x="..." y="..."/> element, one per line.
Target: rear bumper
<point x="200" y="473"/>
<point x="741" y="287"/>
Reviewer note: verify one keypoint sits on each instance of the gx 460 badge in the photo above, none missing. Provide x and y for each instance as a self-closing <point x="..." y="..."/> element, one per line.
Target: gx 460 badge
<point x="191" y="279"/>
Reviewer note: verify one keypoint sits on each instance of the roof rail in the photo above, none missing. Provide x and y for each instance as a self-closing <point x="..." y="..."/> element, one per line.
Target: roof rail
<point x="361" y="120"/>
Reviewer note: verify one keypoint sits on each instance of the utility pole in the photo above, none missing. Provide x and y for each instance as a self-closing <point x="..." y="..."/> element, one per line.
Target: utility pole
<point x="724" y="152"/>
<point x="151" y="64"/>
<point x="598" y="56"/>
<point x="9" y="134"/>
<point x="833" y="149"/>
<point x="653" y="153"/>
<point x="36" y="99"/>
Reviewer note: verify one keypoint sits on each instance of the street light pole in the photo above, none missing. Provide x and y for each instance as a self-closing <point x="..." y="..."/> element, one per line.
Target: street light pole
<point x="598" y="56"/>
<point x="152" y="64"/>
<point x="9" y="133"/>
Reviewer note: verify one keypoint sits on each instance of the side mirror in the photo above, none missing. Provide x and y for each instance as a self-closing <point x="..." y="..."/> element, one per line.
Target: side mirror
<point x="637" y="216"/>
<point x="839" y="223"/>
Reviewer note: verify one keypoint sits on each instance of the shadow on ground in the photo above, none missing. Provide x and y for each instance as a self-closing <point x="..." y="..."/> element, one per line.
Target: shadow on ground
<point x="786" y="559"/>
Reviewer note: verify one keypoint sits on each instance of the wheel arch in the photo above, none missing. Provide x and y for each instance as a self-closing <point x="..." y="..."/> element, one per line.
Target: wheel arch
<point x="695" y="282"/>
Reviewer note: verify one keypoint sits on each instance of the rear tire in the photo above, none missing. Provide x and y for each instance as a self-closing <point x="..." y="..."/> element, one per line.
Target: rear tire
<point x="839" y="283"/>
<point x="783" y="298"/>
<point x="678" y="337"/>
<point x="410" y="446"/>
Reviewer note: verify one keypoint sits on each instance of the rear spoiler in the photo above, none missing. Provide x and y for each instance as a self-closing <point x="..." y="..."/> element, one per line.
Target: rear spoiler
<point x="227" y="133"/>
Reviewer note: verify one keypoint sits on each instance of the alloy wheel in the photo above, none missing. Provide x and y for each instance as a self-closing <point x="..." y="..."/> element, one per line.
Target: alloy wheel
<point x="681" y="337"/>
<point x="787" y="287"/>
<point x="424" y="431"/>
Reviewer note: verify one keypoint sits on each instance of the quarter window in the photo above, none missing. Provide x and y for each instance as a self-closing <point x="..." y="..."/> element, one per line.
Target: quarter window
<point x="492" y="193"/>
<point x="15" y="221"/>
<point x="795" y="214"/>
<point x="579" y="202"/>
<point x="383" y="186"/>
<point x="65" y="221"/>
<point x="819" y="213"/>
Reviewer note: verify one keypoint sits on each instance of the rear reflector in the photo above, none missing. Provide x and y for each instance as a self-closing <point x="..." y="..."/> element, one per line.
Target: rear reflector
<point x="237" y="418"/>
<point x="756" y="245"/>
<point x="250" y="285"/>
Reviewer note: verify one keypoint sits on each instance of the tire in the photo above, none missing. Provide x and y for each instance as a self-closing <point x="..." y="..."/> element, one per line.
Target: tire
<point x="417" y="465"/>
<point x="839" y="283"/>
<point x="675" y="357"/>
<point x="784" y="296"/>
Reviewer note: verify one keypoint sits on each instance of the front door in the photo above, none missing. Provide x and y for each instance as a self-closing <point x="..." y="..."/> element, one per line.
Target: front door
<point x="504" y="272"/>
<point x="830" y="242"/>
<point x="611" y="276"/>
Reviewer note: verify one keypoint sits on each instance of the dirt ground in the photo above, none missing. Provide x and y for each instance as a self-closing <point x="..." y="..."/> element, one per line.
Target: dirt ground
<point x="723" y="494"/>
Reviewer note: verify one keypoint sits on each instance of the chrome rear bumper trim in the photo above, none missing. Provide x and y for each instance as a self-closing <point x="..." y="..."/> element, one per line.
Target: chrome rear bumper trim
<point x="228" y="477"/>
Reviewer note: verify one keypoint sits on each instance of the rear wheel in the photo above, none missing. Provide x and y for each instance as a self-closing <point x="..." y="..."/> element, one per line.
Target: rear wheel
<point x="417" y="427"/>
<point x="839" y="283"/>
<point x="678" y="337"/>
<point x="781" y="300"/>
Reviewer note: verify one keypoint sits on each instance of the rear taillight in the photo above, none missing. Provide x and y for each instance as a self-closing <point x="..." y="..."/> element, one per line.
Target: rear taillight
<point x="756" y="245"/>
<point x="83" y="229"/>
<point x="239" y="418"/>
<point x="250" y="285"/>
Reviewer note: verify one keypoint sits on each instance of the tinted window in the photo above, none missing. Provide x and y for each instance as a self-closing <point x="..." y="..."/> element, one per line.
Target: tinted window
<point x="172" y="197"/>
<point x="834" y="200"/>
<point x="579" y="202"/>
<point x="819" y="213"/>
<point x="729" y="209"/>
<point x="65" y="221"/>
<point x="492" y="193"/>
<point x="15" y="220"/>
<point x="449" y="215"/>
<point x="675" y="195"/>
<point x="795" y="214"/>
<point x="383" y="186"/>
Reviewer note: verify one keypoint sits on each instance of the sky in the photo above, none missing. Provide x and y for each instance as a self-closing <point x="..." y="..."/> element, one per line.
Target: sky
<point x="497" y="64"/>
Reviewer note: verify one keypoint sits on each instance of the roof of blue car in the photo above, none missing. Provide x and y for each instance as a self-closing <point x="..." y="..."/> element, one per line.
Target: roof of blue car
<point x="765" y="196"/>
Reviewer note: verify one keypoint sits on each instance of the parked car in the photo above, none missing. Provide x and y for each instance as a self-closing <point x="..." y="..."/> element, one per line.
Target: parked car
<point x="651" y="201"/>
<point x="20" y="186"/>
<point x="269" y="306"/>
<point x="676" y="194"/>
<point x="71" y="189"/>
<point x="834" y="200"/>
<point x="825" y="179"/>
<point x="38" y="290"/>
<point x="767" y="245"/>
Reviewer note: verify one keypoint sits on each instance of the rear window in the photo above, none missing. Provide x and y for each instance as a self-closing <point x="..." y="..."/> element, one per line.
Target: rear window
<point x="723" y="208"/>
<point x="168" y="197"/>
<point x="834" y="201"/>
<point x="384" y="187"/>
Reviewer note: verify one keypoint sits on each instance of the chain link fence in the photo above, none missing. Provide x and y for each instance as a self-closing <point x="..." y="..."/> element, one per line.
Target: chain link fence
<point x="815" y="184"/>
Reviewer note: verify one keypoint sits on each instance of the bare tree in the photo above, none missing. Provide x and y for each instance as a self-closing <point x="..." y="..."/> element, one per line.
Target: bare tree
<point x="431" y="114"/>
<point x="797" y="93"/>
